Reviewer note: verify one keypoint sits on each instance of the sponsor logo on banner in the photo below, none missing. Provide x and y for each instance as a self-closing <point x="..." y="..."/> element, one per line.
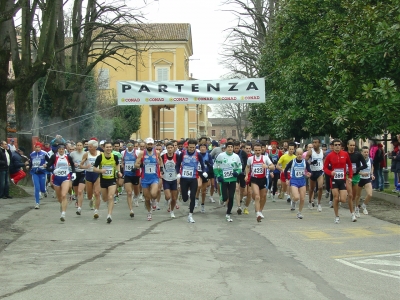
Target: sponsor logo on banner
<point x="130" y="100"/>
<point x="154" y="99"/>
<point x="203" y="98"/>
<point x="178" y="99"/>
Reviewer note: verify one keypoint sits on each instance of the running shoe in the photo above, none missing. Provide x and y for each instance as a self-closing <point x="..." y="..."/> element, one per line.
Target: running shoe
<point x="280" y="195"/>
<point x="202" y="208"/>
<point x="319" y="208"/>
<point x="310" y="206"/>
<point x="330" y="204"/>
<point x="258" y="218"/>
<point x="172" y="215"/>
<point x="246" y="211"/>
<point x="190" y="219"/>
<point x="357" y="212"/>
<point x="239" y="210"/>
<point x="196" y="202"/>
<point x="337" y="220"/>
<point x="299" y="215"/>
<point x="293" y="206"/>
<point x="353" y="217"/>
<point x="153" y="204"/>
<point x="141" y="198"/>
<point x="109" y="220"/>
<point x="364" y="207"/>
<point x="96" y="214"/>
<point x="91" y="204"/>
<point x="45" y="194"/>
<point x="78" y="211"/>
<point x="212" y="199"/>
<point x="273" y="198"/>
<point x="62" y="218"/>
<point x="149" y="216"/>
<point x="158" y="207"/>
<point x="116" y="199"/>
<point x="288" y="200"/>
<point x="37" y="206"/>
<point x="228" y="218"/>
<point x="136" y="201"/>
<point x="327" y="195"/>
<point x="262" y="216"/>
<point x="131" y="214"/>
<point x="313" y="203"/>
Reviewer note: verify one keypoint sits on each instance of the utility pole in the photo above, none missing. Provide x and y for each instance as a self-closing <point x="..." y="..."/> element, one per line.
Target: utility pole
<point x="35" y="94"/>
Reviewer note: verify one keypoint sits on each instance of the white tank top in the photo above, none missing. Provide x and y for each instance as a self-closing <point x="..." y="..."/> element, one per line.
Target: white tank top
<point x="319" y="158"/>
<point x="91" y="160"/>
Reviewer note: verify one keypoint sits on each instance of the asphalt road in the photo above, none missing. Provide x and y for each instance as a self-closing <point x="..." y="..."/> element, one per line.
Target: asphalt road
<point x="280" y="258"/>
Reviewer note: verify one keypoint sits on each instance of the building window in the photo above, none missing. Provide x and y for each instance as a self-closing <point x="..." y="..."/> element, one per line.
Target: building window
<point x="233" y="132"/>
<point x="213" y="132"/>
<point x="162" y="74"/>
<point x="103" y="79"/>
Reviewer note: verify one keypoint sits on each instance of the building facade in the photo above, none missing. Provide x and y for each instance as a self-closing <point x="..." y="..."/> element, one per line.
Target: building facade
<point x="220" y="128"/>
<point x="161" y="52"/>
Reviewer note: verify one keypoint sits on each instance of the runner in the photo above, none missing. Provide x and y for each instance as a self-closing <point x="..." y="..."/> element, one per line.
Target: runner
<point x="79" y="183"/>
<point x="37" y="165"/>
<point x="63" y="168"/>
<point x="205" y="182"/>
<point x="240" y="182"/>
<point x="120" y="181"/>
<point x="227" y="167"/>
<point x="247" y="199"/>
<point x="274" y="155"/>
<point x="366" y="177"/>
<point x="107" y="164"/>
<point x="282" y="162"/>
<point x="358" y="163"/>
<point x="187" y="167"/>
<point x="170" y="182"/>
<point x="131" y="176"/>
<point x="339" y="160"/>
<point x="298" y="169"/>
<point x="256" y="166"/>
<point x="92" y="179"/>
<point x="316" y="157"/>
<point x="149" y="161"/>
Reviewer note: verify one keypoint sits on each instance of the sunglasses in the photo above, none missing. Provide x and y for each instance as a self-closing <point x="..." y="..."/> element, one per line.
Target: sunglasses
<point x="337" y="145"/>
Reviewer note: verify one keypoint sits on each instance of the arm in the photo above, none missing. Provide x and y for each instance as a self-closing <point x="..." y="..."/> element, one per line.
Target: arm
<point x="279" y="164"/>
<point x="72" y="164"/>
<point x="50" y="164"/>
<point x="288" y="166"/>
<point x="117" y="166"/>
<point x="178" y="163"/>
<point x="349" y="167"/>
<point x="138" y="161"/>
<point x="269" y="163"/>
<point x="84" y="159"/>
<point x="308" y="156"/>
<point x="363" y="163"/>
<point x="308" y="168"/>
<point x="201" y="161"/>
<point x="326" y="164"/>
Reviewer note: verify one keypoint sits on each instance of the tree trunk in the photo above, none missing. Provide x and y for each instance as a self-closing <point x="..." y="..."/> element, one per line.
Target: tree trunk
<point x="23" y="115"/>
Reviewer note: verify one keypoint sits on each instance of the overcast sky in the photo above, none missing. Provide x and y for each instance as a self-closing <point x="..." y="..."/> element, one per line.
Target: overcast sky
<point x="208" y="23"/>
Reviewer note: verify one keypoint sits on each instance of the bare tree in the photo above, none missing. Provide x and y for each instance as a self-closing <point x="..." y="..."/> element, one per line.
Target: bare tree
<point x="246" y="40"/>
<point x="238" y="112"/>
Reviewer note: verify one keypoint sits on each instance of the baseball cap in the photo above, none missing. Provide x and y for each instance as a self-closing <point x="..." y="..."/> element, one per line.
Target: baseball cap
<point x="149" y="140"/>
<point x="102" y="142"/>
<point x="222" y="141"/>
<point x="214" y="143"/>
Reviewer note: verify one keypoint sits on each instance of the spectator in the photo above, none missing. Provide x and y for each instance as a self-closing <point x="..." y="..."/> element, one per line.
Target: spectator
<point x="11" y="145"/>
<point x="5" y="159"/>
<point x="376" y="155"/>
<point x="395" y="167"/>
<point x="16" y="171"/>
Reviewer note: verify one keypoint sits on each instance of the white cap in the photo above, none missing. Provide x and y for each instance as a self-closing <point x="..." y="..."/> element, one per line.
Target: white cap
<point x="102" y="142"/>
<point x="149" y="141"/>
<point x="269" y="147"/>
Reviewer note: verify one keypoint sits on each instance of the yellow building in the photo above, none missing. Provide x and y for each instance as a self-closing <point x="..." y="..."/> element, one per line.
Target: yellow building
<point x="164" y="51"/>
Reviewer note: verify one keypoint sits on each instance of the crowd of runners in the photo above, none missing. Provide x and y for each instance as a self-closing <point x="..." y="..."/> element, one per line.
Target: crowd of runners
<point x="238" y="173"/>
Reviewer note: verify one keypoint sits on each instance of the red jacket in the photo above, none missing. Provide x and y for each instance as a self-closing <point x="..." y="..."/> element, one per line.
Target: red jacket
<point x="338" y="161"/>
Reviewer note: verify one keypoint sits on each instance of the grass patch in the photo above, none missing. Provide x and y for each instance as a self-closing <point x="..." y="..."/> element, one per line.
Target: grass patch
<point x="18" y="192"/>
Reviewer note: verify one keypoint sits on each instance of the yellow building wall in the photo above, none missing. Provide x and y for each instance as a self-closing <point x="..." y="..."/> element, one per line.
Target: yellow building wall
<point x="181" y="120"/>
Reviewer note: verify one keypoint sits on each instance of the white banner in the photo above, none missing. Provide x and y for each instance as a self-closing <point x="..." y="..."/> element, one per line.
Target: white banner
<point x="250" y="90"/>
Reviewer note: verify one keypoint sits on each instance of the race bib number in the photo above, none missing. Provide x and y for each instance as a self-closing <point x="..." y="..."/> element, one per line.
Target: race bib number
<point x="298" y="172"/>
<point x="199" y="167"/>
<point x="354" y="167"/>
<point x="319" y="163"/>
<point x="187" y="172"/>
<point x="150" y="169"/>
<point x="169" y="175"/>
<point x="227" y="173"/>
<point x="36" y="162"/>
<point x="129" y="166"/>
<point x="109" y="170"/>
<point x="339" y="174"/>
<point x="258" y="170"/>
<point x="61" y="172"/>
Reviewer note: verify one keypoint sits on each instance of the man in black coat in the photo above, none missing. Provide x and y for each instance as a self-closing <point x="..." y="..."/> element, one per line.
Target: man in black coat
<point x="18" y="161"/>
<point x="5" y="160"/>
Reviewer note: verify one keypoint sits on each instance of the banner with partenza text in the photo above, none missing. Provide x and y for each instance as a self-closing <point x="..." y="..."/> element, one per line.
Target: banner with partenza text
<point x="250" y="90"/>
